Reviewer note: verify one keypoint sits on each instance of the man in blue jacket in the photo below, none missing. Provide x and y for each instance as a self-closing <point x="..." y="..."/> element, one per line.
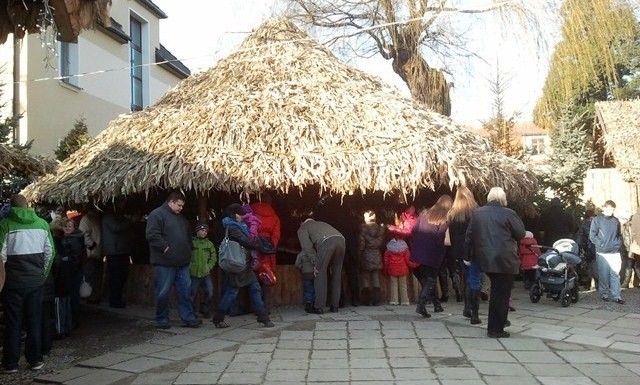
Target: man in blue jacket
<point x="169" y="236"/>
<point x="26" y="250"/>
<point x="606" y="235"/>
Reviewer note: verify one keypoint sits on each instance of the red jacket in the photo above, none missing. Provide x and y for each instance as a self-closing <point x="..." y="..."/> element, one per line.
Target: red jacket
<point x="528" y="256"/>
<point x="269" y="228"/>
<point x="396" y="259"/>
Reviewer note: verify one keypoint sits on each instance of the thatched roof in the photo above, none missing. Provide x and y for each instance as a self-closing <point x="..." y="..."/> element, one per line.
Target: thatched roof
<point x="70" y="16"/>
<point x="620" y="124"/>
<point x="278" y="113"/>
<point x="16" y="160"/>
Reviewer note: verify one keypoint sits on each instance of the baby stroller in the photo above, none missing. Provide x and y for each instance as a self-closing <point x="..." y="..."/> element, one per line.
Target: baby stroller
<point x="556" y="273"/>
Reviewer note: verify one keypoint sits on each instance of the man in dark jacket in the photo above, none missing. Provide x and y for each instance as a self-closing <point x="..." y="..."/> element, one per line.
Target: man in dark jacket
<point x="492" y="239"/>
<point x="26" y="249"/>
<point x="606" y="235"/>
<point x="116" y="245"/>
<point x="170" y="254"/>
<point x="556" y="223"/>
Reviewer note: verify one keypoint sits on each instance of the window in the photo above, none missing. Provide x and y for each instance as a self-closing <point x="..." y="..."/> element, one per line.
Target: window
<point x="137" y="84"/>
<point x="68" y="63"/>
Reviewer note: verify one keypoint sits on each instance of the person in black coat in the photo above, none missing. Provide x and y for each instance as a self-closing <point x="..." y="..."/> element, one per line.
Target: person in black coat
<point x="492" y="239"/>
<point x="238" y="231"/>
<point x="70" y="250"/>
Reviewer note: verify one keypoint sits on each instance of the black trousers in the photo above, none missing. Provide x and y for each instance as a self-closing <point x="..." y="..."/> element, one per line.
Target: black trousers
<point x="501" y="285"/>
<point x="118" y="267"/>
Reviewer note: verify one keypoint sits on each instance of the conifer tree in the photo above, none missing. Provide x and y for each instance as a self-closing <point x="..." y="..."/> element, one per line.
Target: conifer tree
<point x="75" y="139"/>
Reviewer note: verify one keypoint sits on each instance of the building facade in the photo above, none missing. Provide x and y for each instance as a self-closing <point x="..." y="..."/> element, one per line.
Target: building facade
<point x="109" y="71"/>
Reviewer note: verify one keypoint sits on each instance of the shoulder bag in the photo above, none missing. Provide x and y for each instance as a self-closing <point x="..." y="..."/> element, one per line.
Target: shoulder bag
<point x="232" y="256"/>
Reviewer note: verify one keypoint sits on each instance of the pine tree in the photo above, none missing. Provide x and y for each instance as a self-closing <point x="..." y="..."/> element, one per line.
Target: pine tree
<point x="499" y="126"/>
<point x="75" y="139"/>
<point x="571" y="157"/>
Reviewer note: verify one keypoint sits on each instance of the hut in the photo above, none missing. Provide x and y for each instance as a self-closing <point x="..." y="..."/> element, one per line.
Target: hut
<point x="15" y="160"/>
<point x="283" y="114"/>
<point x="617" y="137"/>
<point x="69" y="17"/>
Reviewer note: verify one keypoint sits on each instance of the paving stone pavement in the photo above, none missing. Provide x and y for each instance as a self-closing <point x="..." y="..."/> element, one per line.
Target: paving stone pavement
<point x="549" y="345"/>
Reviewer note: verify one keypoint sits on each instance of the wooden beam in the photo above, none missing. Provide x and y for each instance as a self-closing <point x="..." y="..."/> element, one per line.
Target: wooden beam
<point x="66" y="32"/>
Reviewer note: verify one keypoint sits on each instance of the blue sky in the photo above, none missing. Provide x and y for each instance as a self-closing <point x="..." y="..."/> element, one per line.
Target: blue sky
<point x="200" y="33"/>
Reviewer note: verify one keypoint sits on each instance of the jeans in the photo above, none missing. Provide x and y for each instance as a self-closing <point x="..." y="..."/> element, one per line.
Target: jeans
<point x="22" y="305"/>
<point x="308" y="291"/>
<point x="207" y="285"/>
<point x="167" y="276"/>
<point x="609" y="265"/>
<point x="474" y="276"/>
<point x="255" y="296"/>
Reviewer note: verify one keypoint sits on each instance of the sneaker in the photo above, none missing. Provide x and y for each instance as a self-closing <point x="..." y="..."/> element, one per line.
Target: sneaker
<point x="393" y="303"/>
<point x="267" y="324"/>
<point x="404" y="304"/>
<point x="163" y="326"/>
<point x="619" y="301"/>
<point x="37" y="365"/>
<point x="9" y="371"/>
<point x="605" y="299"/>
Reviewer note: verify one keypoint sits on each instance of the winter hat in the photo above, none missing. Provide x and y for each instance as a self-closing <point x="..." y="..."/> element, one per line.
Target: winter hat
<point x="247" y="209"/>
<point x="202" y="226"/>
<point x="233" y="209"/>
<point x="528" y="234"/>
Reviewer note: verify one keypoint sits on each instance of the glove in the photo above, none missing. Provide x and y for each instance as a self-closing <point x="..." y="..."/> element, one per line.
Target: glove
<point x="466" y="263"/>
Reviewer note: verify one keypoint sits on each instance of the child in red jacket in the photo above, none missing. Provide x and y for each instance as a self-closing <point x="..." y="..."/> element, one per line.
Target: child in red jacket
<point x="528" y="258"/>
<point x="396" y="266"/>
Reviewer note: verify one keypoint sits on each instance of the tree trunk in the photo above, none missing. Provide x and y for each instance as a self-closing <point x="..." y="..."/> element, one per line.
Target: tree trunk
<point x="428" y="86"/>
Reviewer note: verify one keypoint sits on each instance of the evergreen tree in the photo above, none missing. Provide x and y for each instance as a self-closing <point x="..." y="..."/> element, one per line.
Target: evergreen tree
<point x="499" y="126"/>
<point x="571" y="157"/>
<point x="75" y="139"/>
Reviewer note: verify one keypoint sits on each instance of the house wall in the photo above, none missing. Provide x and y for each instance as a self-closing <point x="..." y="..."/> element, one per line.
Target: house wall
<point x="51" y="107"/>
<point x="602" y="184"/>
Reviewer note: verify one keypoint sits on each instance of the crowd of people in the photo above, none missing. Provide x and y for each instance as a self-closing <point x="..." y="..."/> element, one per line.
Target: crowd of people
<point x="479" y="250"/>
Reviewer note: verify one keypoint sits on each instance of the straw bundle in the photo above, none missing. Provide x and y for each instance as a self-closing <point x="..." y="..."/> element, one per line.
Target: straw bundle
<point x="620" y="122"/>
<point x="22" y="17"/>
<point x="13" y="160"/>
<point x="280" y="112"/>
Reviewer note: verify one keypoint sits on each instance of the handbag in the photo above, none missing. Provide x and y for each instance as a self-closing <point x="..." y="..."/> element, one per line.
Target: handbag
<point x="85" y="288"/>
<point x="232" y="256"/>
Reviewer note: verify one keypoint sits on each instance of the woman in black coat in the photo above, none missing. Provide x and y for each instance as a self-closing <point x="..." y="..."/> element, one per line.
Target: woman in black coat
<point x="239" y="232"/>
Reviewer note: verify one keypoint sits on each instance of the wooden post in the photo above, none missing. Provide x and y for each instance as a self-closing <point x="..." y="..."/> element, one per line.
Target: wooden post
<point x="203" y="208"/>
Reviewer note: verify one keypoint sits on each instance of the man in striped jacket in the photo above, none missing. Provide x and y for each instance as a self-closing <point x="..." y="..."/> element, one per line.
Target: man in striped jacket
<point x="26" y="249"/>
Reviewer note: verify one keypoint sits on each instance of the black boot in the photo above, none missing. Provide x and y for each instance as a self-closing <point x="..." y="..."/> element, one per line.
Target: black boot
<point x="444" y="285"/>
<point x="308" y="307"/>
<point x="475" y="307"/>
<point x="365" y="296"/>
<point x="263" y="318"/>
<point x="467" y="303"/>
<point x="437" y="307"/>
<point x="626" y="278"/>
<point x="422" y="310"/>
<point x="375" y="296"/>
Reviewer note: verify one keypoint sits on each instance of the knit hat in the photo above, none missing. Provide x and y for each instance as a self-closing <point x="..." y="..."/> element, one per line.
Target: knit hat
<point x="234" y="208"/>
<point x="202" y="226"/>
<point x="528" y="234"/>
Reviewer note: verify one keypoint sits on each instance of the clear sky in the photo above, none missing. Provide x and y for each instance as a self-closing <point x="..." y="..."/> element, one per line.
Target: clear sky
<point x="202" y="32"/>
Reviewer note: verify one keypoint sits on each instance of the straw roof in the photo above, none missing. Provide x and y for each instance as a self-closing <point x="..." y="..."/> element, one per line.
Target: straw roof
<point x="278" y="113"/>
<point x="70" y="16"/>
<point x="620" y="123"/>
<point x="15" y="160"/>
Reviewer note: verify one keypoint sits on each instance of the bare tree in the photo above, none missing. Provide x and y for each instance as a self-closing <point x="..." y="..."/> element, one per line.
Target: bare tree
<point x="417" y="35"/>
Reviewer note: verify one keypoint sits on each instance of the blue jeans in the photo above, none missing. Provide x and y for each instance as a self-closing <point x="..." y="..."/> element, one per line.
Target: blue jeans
<point x="166" y="277"/>
<point x="308" y="291"/>
<point x="207" y="285"/>
<point x="230" y="295"/>
<point x="22" y="305"/>
<point x="474" y="276"/>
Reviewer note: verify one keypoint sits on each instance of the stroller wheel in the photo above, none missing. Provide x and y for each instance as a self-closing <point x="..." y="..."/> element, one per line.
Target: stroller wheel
<point x="565" y="297"/>
<point x="534" y="293"/>
<point x="575" y="296"/>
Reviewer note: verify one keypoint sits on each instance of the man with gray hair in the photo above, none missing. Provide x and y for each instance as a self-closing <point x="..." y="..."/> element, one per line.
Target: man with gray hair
<point x="492" y="241"/>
